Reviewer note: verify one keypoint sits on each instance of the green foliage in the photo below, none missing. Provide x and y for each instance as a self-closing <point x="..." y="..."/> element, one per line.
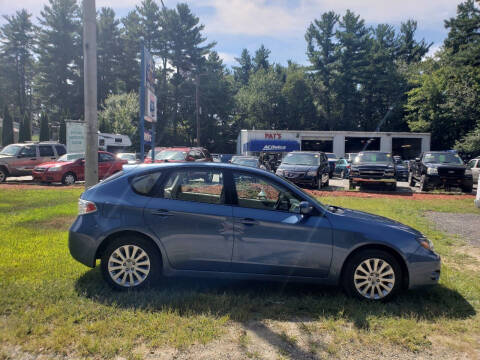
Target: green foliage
<point x="120" y="115"/>
<point x="44" y="127"/>
<point x="62" y="136"/>
<point x="470" y="144"/>
<point x="25" y="130"/>
<point x="7" y="128"/>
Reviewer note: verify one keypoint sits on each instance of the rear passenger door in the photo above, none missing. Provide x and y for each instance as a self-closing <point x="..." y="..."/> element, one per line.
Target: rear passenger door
<point x="191" y="218"/>
<point x="46" y="153"/>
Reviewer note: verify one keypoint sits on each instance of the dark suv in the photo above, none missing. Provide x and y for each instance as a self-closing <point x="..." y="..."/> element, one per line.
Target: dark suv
<point x="440" y="169"/>
<point x="21" y="159"/>
<point x="373" y="167"/>
<point x="305" y="168"/>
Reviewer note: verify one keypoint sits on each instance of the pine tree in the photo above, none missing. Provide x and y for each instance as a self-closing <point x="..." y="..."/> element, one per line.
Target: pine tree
<point x="260" y="60"/>
<point x="62" y="135"/>
<point x="16" y="46"/>
<point x="7" y="129"/>
<point x="22" y="136"/>
<point x="242" y="73"/>
<point x="108" y="53"/>
<point x="59" y="57"/>
<point x="44" y="128"/>
<point x="410" y="50"/>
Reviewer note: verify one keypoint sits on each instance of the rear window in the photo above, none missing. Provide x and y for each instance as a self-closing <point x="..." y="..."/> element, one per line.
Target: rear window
<point x="143" y="184"/>
<point x="60" y="150"/>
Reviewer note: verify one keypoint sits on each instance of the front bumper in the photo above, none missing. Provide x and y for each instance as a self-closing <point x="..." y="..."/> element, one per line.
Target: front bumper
<point x="442" y="181"/>
<point x="47" y="176"/>
<point x="373" y="181"/>
<point x="424" y="268"/>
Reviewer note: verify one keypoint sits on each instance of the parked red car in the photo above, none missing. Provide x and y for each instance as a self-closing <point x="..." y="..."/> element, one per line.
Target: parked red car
<point x="179" y="154"/>
<point x="71" y="168"/>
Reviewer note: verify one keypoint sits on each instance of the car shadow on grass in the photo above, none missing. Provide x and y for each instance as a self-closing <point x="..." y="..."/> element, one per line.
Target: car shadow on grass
<point x="251" y="302"/>
<point x="247" y="300"/>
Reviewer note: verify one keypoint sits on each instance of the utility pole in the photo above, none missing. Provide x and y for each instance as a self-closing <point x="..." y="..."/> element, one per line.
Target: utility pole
<point x="90" y="91"/>
<point x="197" y="106"/>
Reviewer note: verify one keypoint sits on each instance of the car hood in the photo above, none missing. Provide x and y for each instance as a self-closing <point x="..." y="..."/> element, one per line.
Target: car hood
<point x="364" y="217"/>
<point x="373" y="165"/>
<point x="290" y="167"/>
<point x="2" y="156"/>
<point x="54" y="163"/>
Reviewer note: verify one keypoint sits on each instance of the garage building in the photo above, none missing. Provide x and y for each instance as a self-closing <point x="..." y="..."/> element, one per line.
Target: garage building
<point x="407" y="145"/>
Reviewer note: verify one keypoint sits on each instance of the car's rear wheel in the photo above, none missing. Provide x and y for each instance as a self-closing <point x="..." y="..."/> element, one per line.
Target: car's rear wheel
<point x="69" y="178"/>
<point x="467" y="189"/>
<point x="3" y="175"/>
<point x="131" y="262"/>
<point x="372" y="275"/>
<point x="351" y="186"/>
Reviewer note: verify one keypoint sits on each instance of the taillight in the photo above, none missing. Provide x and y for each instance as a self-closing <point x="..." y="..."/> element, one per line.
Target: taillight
<point x="86" y="207"/>
<point x="348" y="166"/>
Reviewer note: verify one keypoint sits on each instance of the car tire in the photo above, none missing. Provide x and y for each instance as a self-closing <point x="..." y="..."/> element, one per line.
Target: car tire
<point x="423" y="183"/>
<point x="69" y="178"/>
<point x="373" y="275"/>
<point x="3" y="174"/>
<point x="467" y="189"/>
<point x="327" y="183"/>
<point x="140" y="267"/>
<point x="318" y="182"/>
<point x="393" y="187"/>
<point x="351" y="185"/>
<point x="411" y="180"/>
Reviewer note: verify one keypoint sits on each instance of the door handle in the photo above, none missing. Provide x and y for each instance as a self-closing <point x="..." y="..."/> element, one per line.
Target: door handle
<point x="249" y="221"/>
<point x="161" y="212"/>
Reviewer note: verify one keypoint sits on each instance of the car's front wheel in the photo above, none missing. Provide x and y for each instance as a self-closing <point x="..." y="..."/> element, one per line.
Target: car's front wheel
<point x="131" y="262"/>
<point x="3" y="175"/>
<point x="372" y="275"/>
<point x="69" y="178"/>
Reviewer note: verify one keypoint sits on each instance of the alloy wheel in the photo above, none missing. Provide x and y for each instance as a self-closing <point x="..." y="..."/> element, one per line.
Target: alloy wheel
<point x="374" y="278"/>
<point x="129" y="265"/>
<point x="69" y="179"/>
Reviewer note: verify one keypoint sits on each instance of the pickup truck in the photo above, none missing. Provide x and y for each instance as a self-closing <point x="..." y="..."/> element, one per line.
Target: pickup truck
<point x="440" y="169"/>
<point x="373" y="167"/>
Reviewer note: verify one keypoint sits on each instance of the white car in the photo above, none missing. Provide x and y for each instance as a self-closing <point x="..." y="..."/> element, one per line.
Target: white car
<point x="474" y="165"/>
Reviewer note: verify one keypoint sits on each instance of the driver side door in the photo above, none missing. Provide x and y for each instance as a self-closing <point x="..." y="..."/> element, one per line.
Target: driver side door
<point x="271" y="236"/>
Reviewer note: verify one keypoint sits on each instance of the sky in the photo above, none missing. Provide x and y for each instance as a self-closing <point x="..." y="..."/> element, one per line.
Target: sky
<point x="281" y="24"/>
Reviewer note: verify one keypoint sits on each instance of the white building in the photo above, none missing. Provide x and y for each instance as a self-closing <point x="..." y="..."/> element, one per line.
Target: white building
<point x="407" y="145"/>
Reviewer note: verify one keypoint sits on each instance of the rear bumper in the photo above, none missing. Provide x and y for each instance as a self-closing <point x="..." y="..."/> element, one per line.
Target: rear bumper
<point x="83" y="247"/>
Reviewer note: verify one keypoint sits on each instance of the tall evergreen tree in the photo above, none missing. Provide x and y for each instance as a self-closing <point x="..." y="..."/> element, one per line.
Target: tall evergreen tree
<point x="7" y="128"/>
<point x="129" y="66"/>
<point x="260" y="60"/>
<point x="242" y="72"/>
<point x="59" y="57"/>
<point x="44" y="127"/>
<point x="16" y="46"/>
<point x="322" y="54"/>
<point x="108" y="53"/>
<point x="410" y="50"/>
<point x="354" y="40"/>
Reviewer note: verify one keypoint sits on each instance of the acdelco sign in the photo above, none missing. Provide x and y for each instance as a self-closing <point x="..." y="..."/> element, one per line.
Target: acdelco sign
<point x="273" y="136"/>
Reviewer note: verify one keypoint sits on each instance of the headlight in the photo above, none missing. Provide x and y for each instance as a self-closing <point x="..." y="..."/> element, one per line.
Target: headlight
<point x="427" y="244"/>
<point x="312" y="173"/>
<point x="432" y="171"/>
<point x="55" y="168"/>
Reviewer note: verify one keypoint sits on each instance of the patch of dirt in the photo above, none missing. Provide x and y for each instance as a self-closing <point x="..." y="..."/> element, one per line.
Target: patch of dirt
<point x="62" y="223"/>
<point x="414" y="196"/>
<point x="466" y="226"/>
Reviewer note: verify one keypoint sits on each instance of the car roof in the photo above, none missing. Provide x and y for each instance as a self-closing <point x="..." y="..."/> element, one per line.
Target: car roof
<point x="132" y="169"/>
<point x="305" y="152"/>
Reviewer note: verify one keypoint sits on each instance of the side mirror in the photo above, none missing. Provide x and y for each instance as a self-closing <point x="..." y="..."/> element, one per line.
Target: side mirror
<point x="305" y="208"/>
<point x="417" y="159"/>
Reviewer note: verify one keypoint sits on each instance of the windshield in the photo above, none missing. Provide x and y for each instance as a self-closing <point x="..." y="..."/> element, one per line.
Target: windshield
<point x="11" y="150"/>
<point x="444" y="158"/>
<point x="71" y="157"/>
<point x="245" y="162"/>
<point x="128" y="156"/>
<point x="301" y="159"/>
<point x="170" y="155"/>
<point x="372" y="158"/>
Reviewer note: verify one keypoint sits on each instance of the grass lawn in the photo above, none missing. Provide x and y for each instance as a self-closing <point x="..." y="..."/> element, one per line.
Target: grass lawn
<point x="50" y="304"/>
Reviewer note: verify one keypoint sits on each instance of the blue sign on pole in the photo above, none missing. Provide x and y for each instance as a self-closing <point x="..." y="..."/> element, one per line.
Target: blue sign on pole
<point x="148" y="100"/>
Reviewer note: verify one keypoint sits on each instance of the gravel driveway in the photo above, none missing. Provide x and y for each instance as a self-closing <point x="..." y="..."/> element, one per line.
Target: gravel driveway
<point x="467" y="226"/>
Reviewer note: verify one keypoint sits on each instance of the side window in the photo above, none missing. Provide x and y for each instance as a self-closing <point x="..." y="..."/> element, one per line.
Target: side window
<point x="260" y="193"/>
<point x="143" y="184"/>
<point x="204" y="186"/>
<point x="46" y="150"/>
<point x="28" y="151"/>
<point x="478" y="163"/>
<point x="60" y="150"/>
<point x="102" y="157"/>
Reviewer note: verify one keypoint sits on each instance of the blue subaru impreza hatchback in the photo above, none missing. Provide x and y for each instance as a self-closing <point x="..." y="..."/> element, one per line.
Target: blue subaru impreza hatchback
<point x="223" y="220"/>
